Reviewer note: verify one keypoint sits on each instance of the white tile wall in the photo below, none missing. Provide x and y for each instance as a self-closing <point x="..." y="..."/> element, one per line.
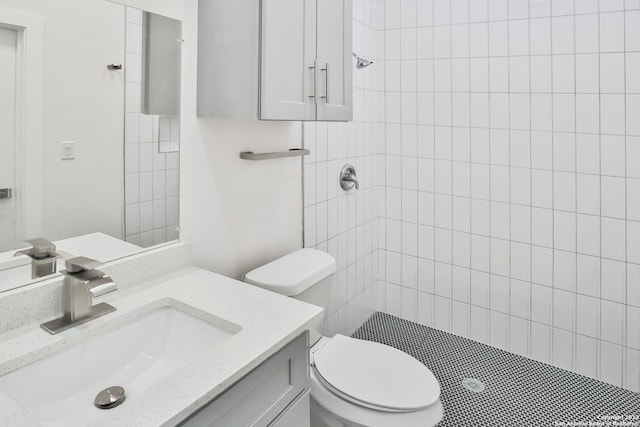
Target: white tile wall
<point x="151" y="156"/>
<point x="510" y="182"/>
<point x="499" y="145"/>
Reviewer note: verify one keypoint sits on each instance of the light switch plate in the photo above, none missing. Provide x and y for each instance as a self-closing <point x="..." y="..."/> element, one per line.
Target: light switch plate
<point x="68" y="150"/>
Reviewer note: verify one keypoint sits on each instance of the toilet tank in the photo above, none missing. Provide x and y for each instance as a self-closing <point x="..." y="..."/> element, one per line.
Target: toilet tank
<point x="306" y="274"/>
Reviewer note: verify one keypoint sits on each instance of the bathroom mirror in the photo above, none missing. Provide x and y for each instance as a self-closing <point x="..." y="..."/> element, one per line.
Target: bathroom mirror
<point x="89" y="130"/>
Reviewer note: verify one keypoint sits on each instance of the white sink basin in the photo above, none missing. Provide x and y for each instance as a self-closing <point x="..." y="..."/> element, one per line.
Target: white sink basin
<point x="59" y="390"/>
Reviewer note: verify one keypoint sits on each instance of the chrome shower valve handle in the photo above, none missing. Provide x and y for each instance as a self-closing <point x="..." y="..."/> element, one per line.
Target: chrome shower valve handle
<point x="348" y="178"/>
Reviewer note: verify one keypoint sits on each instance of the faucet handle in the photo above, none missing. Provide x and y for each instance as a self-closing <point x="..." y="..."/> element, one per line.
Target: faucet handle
<point x="85" y="270"/>
<point x="348" y="178"/>
<point x="81" y="264"/>
<point x="40" y="248"/>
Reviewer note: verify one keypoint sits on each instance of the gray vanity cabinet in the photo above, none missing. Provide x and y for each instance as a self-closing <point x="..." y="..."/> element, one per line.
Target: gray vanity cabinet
<point x="275" y="394"/>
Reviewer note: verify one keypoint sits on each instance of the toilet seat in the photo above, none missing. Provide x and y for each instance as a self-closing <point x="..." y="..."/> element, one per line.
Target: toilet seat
<point x="373" y="375"/>
<point x="354" y="383"/>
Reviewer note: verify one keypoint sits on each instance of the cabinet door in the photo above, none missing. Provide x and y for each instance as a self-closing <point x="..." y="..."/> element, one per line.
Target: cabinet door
<point x="264" y="395"/>
<point x="334" y="59"/>
<point x="298" y="414"/>
<point x="287" y="74"/>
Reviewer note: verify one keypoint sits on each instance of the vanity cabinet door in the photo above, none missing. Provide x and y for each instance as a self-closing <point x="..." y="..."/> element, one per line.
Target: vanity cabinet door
<point x="297" y="415"/>
<point x="334" y="58"/>
<point x="288" y="52"/>
<point x="265" y="395"/>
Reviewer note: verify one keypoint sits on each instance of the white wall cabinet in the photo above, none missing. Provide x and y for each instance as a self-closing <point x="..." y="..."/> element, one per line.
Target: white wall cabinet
<point x="275" y="59"/>
<point x="276" y="394"/>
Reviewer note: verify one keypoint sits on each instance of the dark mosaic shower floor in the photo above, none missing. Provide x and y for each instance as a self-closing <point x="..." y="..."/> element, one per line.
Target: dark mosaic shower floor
<point x="519" y="391"/>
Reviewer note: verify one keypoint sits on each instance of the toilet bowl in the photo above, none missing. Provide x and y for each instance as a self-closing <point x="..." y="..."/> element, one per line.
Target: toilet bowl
<point x="363" y="383"/>
<point x="353" y="382"/>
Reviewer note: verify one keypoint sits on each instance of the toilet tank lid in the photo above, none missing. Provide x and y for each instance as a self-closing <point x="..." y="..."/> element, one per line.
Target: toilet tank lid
<point x="293" y="273"/>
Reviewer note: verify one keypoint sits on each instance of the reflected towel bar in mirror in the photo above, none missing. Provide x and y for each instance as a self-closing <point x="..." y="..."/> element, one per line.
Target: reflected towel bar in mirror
<point x="294" y="152"/>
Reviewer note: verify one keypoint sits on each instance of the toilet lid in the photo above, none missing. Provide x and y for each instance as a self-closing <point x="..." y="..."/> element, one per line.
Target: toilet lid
<point x="375" y="375"/>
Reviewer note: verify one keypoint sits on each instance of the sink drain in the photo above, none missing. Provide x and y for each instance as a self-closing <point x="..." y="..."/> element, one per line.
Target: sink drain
<point x="110" y="397"/>
<point x="473" y="385"/>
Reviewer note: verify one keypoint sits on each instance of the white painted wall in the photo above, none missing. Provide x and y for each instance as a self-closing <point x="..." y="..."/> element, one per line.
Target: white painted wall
<point x="237" y="214"/>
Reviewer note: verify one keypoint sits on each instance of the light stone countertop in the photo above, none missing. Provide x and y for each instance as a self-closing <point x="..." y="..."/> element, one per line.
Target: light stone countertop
<point x="268" y="322"/>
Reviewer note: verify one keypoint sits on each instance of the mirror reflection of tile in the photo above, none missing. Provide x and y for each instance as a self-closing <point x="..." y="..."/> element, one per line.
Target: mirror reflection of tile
<point x="151" y="156"/>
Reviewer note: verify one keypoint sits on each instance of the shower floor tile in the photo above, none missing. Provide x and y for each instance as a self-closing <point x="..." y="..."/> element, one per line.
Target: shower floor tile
<point x="518" y="391"/>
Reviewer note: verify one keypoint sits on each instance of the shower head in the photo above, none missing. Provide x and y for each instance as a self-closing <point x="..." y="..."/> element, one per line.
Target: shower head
<point x="362" y="62"/>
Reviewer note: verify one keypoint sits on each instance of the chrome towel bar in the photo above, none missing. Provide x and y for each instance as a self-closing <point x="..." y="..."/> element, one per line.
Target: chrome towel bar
<point x="294" y="152"/>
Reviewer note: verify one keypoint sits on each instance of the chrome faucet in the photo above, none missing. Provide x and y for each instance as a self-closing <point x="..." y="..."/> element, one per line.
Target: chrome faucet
<point x="82" y="283"/>
<point x="43" y="257"/>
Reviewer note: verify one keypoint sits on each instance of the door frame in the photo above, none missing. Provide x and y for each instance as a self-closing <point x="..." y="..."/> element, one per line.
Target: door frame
<point x="29" y="120"/>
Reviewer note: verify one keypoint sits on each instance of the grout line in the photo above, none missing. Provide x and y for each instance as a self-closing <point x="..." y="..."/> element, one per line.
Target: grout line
<point x="599" y="327"/>
<point x="530" y="316"/>
<point x="451" y="283"/>
<point x="490" y="329"/>
<point x="509" y="19"/>
<point x="469" y="292"/>
<point x="623" y="379"/>
<point x="575" y="215"/>
<point x="384" y="112"/>
<point x="508" y="342"/>
<point x="402" y="119"/>
<point x="417" y="180"/>
<point x="433" y="121"/>
<point x="553" y="205"/>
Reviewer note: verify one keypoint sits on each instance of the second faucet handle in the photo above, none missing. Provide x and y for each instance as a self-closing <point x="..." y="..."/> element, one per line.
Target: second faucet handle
<point x="40" y="248"/>
<point x="80" y="264"/>
<point x="85" y="270"/>
<point x="43" y="257"/>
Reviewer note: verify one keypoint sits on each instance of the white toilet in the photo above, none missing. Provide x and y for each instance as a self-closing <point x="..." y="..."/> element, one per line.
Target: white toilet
<point x="353" y="382"/>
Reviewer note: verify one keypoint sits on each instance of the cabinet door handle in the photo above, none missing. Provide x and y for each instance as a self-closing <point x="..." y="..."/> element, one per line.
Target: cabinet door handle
<point x="315" y="80"/>
<point x="326" y="82"/>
